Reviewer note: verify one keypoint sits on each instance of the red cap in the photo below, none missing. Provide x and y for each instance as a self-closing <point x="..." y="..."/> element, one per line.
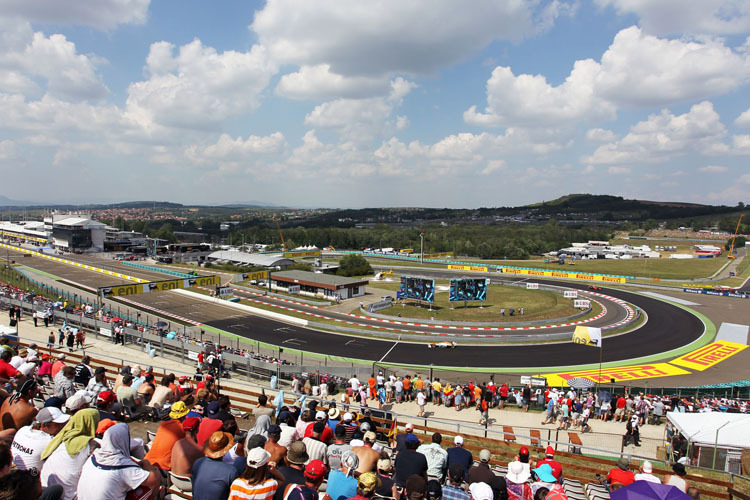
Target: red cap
<point x="524" y="451"/>
<point x="183" y="378"/>
<point x="104" y="425"/>
<point x="190" y="423"/>
<point x="315" y="469"/>
<point x="106" y="397"/>
<point x="550" y="451"/>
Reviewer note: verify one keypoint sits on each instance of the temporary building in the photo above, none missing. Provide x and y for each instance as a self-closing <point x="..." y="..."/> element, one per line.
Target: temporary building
<point x="727" y="433"/>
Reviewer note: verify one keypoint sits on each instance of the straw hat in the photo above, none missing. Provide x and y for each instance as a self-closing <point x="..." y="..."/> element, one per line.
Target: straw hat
<point x="218" y="444"/>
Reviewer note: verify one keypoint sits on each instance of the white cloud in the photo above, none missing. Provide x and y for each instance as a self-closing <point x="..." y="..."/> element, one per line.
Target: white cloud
<point x="665" y="136"/>
<point x="198" y="87"/>
<point x="619" y="170"/>
<point x="744" y="119"/>
<point x="600" y="135"/>
<point x="713" y="169"/>
<point x="100" y="14"/>
<point x="27" y="56"/>
<point x="741" y="144"/>
<point x="636" y="70"/>
<point x="360" y="119"/>
<point x="318" y="82"/>
<point x="494" y="166"/>
<point x="680" y="16"/>
<point x="389" y="36"/>
<point x="402" y="122"/>
<point x="237" y="149"/>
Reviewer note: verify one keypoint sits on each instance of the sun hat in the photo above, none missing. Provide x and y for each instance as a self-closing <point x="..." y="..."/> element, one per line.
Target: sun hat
<point x="257" y="457"/>
<point x="364" y="426"/>
<point x="218" y="444"/>
<point x="350" y="461"/>
<point x="333" y="413"/>
<point x="481" y="491"/>
<point x="517" y="473"/>
<point x="178" y="410"/>
<point x="484" y="456"/>
<point x="458" y="440"/>
<point x="623" y="463"/>
<point x="51" y="415"/>
<point x="368" y="482"/>
<point x="297" y="453"/>
<point x="544" y="473"/>
<point x="315" y="470"/>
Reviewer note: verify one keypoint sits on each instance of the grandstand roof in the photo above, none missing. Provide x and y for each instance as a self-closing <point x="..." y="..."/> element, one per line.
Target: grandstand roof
<point x="319" y="278"/>
<point x="250" y="259"/>
<point x="701" y="428"/>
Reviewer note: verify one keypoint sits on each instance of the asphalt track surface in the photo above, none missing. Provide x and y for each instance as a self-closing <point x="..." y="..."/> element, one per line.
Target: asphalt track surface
<point x="668" y="327"/>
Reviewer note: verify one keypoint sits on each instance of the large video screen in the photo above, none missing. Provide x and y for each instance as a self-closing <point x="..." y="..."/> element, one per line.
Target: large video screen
<point x="417" y="288"/>
<point x="466" y="289"/>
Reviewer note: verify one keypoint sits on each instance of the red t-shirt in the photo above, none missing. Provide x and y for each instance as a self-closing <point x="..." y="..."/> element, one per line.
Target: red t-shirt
<point x="556" y="466"/>
<point x="504" y="391"/>
<point x="620" y="403"/>
<point x="625" y="477"/>
<point x="326" y="437"/>
<point x="6" y="370"/>
<point x="207" y="427"/>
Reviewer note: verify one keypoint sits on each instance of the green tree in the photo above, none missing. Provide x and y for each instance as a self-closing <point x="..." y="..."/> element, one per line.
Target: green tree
<point x="354" y="265"/>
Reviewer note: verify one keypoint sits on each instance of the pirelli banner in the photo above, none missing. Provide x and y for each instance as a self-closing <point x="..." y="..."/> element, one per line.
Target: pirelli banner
<point x="158" y="286"/>
<point x="707" y="356"/>
<point x="456" y="267"/>
<point x="296" y="255"/>
<point x="621" y="374"/>
<point x="562" y="274"/>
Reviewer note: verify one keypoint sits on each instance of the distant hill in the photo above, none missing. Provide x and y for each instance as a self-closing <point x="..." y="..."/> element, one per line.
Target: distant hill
<point x="7" y="202"/>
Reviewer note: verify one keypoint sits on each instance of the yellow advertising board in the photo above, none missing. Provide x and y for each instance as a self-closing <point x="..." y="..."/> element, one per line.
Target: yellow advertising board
<point x="295" y="255"/>
<point x="563" y="274"/>
<point x="159" y="286"/>
<point x="438" y="255"/>
<point x="258" y="275"/>
<point x="622" y="374"/>
<point x="121" y="290"/>
<point x="707" y="356"/>
<point x="455" y="267"/>
<point x="23" y="237"/>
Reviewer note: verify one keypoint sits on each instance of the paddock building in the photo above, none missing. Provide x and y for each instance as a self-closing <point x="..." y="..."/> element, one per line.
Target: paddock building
<point x="318" y="284"/>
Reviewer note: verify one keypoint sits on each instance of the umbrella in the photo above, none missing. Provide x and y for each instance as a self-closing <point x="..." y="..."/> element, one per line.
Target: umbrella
<point x="171" y="335"/>
<point x="161" y="324"/>
<point x="605" y="396"/>
<point x="581" y="383"/>
<point x="646" y="490"/>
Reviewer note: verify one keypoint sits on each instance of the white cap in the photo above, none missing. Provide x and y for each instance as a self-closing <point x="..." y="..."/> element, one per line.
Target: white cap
<point x="458" y="440"/>
<point x="320" y="415"/>
<point x="348" y="417"/>
<point x="409" y="427"/>
<point x="51" y="414"/>
<point x="257" y="457"/>
<point x="647" y="467"/>
<point x="77" y="400"/>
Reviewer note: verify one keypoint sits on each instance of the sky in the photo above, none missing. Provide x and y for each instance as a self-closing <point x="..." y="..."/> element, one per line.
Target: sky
<point x="341" y="103"/>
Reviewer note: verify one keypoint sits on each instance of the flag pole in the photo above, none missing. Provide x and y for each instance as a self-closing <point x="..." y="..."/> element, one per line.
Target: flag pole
<point x="601" y="351"/>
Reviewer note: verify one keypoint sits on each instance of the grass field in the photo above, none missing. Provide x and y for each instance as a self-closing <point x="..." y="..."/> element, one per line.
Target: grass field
<point x="537" y="304"/>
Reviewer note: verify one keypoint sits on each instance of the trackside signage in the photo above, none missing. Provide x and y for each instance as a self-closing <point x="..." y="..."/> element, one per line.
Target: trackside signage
<point x="560" y="274"/>
<point x="158" y="286"/>
<point x="707" y="356"/>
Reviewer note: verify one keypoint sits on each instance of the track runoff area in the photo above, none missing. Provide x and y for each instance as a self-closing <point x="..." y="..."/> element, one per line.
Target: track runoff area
<point x="671" y="341"/>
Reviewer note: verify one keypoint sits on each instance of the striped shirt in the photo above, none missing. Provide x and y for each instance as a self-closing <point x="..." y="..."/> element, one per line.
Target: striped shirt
<point x="240" y="490"/>
<point x="316" y="449"/>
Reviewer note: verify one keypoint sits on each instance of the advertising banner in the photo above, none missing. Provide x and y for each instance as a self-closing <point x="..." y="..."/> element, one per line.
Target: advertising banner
<point x="708" y="356"/>
<point x="570" y="294"/>
<point x="307" y="253"/>
<point x="417" y="288"/>
<point x="622" y="374"/>
<point x="581" y="303"/>
<point x="107" y="332"/>
<point x="532" y="286"/>
<point x="468" y="289"/>
<point x="222" y="291"/>
<point x="562" y="274"/>
<point x="293" y="289"/>
<point x="456" y="267"/>
<point x="258" y="275"/>
<point x="588" y="335"/>
<point x="534" y="381"/>
<point x="718" y="293"/>
<point x="159" y="286"/>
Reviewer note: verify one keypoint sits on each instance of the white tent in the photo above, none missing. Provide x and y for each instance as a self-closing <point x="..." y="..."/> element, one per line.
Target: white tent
<point x="6" y="330"/>
<point x="700" y="428"/>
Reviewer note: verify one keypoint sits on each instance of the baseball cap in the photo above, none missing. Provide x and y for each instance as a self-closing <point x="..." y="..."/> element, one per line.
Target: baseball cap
<point x="320" y="415"/>
<point x="103" y="425"/>
<point x="190" y="423"/>
<point x="183" y="378"/>
<point x="409" y="427"/>
<point x="481" y="491"/>
<point x="647" y="467"/>
<point x="315" y="469"/>
<point x="484" y="455"/>
<point x="434" y="490"/>
<point x="370" y="436"/>
<point x="257" y="457"/>
<point x="384" y="464"/>
<point x="523" y="451"/>
<point x="458" y="440"/>
<point x="77" y="401"/>
<point x="411" y="438"/>
<point x="274" y="429"/>
<point x="284" y="416"/>
<point x="348" y="417"/>
<point x="550" y="452"/>
<point x="51" y="414"/>
<point x="106" y="397"/>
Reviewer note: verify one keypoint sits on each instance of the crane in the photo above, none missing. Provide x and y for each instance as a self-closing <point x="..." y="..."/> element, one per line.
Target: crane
<point x="283" y="245"/>
<point x="731" y="249"/>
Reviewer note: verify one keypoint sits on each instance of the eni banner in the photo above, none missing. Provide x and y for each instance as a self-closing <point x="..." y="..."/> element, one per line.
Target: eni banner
<point x="158" y="286"/>
<point x="294" y="255"/>
<point x="707" y="356"/>
<point x="561" y="274"/>
<point x="622" y="374"/>
<point x="455" y="267"/>
<point x="259" y="275"/>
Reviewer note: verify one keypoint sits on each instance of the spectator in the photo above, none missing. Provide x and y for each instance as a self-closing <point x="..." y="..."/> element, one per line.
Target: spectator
<point x="262" y="424"/>
<point x="622" y="473"/>
<point x="459" y="455"/>
<point x="31" y="440"/>
<point x="129" y="399"/>
<point x="368" y="457"/>
<point x="288" y="429"/>
<point x="111" y="473"/>
<point x="481" y="491"/>
<point x="693" y="493"/>
<point x="481" y="473"/>
<point x="65" y="455"/>
<point x="678" y="478"/>
<point x="316" y="448"/>
<point x="18" y="411"/>
<point x="387" y="486"/>
<point x="549" y="459"/>
<point x="273" y="447"/>
<point x="58" y="365"/>
<point x="367" y="484"/>
<point x="327" y="433"/>
<point x="186" y="451"/>
<point x="453" y="489"/>
<point x="415" y="487"/>
<point x="437" y="457"/>
<point x="398" y="443"/>
<point x="22" y="485"/>
<point x="338" y="448"/>
<point x="518" y="488"/>
<point x="212" y="478"/>
<point x="83" y="371"/>
<point x="162" y="395"/>
<point x="98" y="383"/>
<point x="315" y="473"/>
<point x="78" y="401"/>
<point x="295" y="460"/>
<point x="169" y="432"/>
<point x="341" y="482"/>
<point x="263" y="408"/>
<point x="254" y="482"/>
<point x="545" y="479"/>
<point x="409" y="462"/>
<point x="64" y="382"/>
<point x="105" y="403"/>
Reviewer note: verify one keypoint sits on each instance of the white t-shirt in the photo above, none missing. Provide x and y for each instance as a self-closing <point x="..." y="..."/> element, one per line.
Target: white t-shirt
<point x="421" y="398"/>
<point x="355" y="383"/>
<point x="380" y="379"/>
<point x="100" y="484"/>
<point x="647" y="477"/>
<point x="28" y="445"/>
<point x="60" y="468"/>
<point x="26" y="368"/>
<point x="17" y="361"/>
<point x="399" y="386"/>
